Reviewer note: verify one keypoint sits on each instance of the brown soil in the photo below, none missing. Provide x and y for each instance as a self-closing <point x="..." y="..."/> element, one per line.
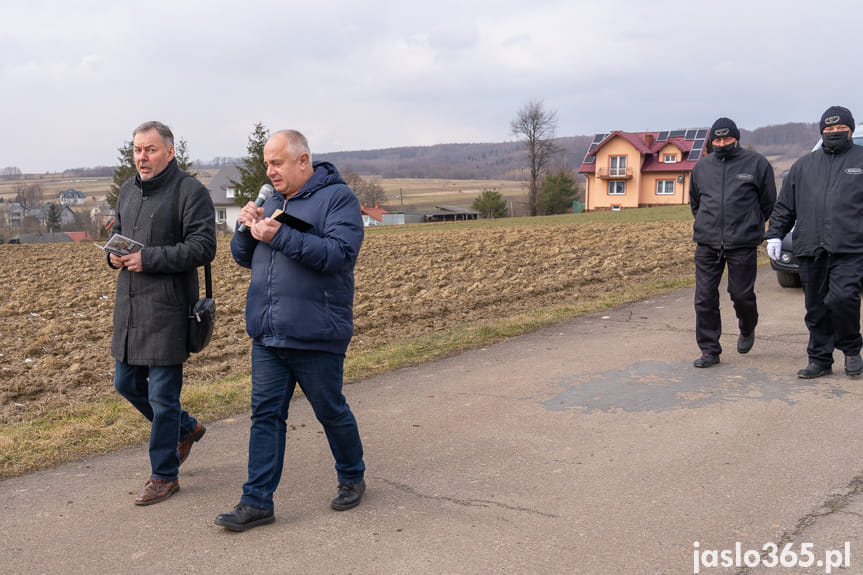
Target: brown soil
<point x="57" y="302"/>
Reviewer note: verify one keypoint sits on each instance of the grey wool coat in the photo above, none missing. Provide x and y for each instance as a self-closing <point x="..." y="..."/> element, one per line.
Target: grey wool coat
<point x="152" y="306"/>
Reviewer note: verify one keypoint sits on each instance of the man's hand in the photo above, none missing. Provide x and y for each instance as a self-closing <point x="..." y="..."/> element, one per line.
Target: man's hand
<point x="250" y="214"/>
<point x="774" y="248"/>
<point x="132" y="262"/>
<point x="265" y="229"/>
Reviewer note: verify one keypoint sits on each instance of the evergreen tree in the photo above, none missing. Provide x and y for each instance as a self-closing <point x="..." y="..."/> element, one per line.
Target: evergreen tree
<point x="558" y="193"/>
<point x="490" y="204"/>
<point x="253" y="172"/>
<point x="52" y="217"/>
<point x="183" y="161"/>
<point x="124" y="170"/>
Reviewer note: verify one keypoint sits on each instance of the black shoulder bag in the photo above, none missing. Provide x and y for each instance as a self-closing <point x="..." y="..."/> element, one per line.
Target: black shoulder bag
<point x="202" y="319"/>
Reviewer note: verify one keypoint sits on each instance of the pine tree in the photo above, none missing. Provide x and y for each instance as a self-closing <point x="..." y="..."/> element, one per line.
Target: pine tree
<point x="253" y="172"/>
<point x="125" y="170"/>
<point x="183" y="161"/>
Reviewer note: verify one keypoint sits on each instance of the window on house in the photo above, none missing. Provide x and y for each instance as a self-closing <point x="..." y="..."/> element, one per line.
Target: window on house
<point x="664" y="187"/>
<point x="616" y="188"/>
<point x="617" y="166"/>
<point x="229" y="193"/>
<point x="221" y="215"/>
<point x="669" y="159"/>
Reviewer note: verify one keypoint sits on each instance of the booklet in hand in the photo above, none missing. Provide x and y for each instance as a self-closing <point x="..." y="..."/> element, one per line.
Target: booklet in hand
<point x="292" y="221"/>
<point x="121" y="245"/>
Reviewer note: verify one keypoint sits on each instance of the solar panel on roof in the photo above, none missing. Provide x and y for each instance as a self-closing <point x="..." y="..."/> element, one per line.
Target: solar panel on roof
<point x="690" y="134"/>
<point x="701" y="133"/>
<point x="677" y="133"/>
<point x="589" y="159"/>
<point x="599" y="138"/>
<point x="697" y="144"/>
<point x="694" y="155"/>
<point x="663" y="136"/>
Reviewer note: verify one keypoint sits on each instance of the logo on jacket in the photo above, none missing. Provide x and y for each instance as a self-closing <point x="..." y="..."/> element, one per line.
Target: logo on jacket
<point x="745" y="176"/>
<point x="854" y="171"/>
<point x="831" y="120"/>
<point x="724" y="132"/>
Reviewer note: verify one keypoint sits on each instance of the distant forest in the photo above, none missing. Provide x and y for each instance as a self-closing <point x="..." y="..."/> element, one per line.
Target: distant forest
<point x="506" y="161"/>
<point x="782" y="144"/>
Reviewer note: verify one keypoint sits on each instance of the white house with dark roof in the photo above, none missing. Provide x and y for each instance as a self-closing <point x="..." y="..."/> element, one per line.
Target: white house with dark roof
<point x="223" y="191"/>
<point x="71" y="197"/>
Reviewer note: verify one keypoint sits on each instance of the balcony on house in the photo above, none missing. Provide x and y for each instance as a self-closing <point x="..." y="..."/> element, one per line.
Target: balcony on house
<point x="615" y="173"/>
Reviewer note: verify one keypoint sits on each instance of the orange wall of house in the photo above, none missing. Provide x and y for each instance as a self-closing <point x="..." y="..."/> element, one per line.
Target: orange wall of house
<point x="641" y="188"/>
<point x="599" y="197"/>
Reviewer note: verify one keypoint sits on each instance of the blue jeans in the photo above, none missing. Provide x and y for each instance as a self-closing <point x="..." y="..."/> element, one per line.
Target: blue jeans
<point x="275" y="373"/>
<point x="155" y="392"/>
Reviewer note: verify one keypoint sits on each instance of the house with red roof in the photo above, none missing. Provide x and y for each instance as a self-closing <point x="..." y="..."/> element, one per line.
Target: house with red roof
<point x="640" y="169"/>
<point x="373" y="216"/>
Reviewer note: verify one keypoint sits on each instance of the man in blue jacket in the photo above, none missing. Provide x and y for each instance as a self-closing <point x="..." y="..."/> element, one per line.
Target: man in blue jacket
<point x="731" y="195"/>
<point x="299" y="313"/>
<point x="823" y="195"/>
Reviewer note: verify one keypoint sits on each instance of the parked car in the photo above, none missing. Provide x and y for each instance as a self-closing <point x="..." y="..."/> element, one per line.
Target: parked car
<point x="786" y="267"/>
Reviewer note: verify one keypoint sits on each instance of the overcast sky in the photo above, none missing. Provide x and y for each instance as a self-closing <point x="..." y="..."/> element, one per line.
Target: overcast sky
<point x="77" y="77"/>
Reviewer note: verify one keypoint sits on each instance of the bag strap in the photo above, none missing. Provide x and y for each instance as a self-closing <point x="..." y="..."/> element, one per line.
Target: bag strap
<point x="178" y="235"/>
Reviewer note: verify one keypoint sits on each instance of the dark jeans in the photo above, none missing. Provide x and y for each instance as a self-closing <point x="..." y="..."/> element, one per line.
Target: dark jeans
<point x="155" y="392"/>
<point x="831" y="283"/>
<point x="275" y="373"/>
<point x="742" y="270"/>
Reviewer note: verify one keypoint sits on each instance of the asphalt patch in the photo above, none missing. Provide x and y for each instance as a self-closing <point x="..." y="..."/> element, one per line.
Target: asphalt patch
<point x="657" y="386"/>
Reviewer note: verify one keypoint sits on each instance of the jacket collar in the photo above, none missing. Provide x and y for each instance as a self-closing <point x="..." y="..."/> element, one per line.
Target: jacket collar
<point x="156" y="183"/>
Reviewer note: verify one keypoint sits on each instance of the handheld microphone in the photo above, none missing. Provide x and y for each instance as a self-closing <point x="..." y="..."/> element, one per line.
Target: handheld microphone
<point x="263" y="194"/>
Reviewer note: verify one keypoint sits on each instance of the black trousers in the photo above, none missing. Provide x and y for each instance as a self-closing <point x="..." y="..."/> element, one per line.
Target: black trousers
<point x="831" y="283"/>
<point x="742" y="270"/>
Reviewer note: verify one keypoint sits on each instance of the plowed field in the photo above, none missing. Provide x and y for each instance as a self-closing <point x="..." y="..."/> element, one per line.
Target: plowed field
<point x="56" y="301"/>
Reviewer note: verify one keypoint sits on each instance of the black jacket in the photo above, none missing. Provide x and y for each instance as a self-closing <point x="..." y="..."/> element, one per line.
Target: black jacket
<point x="823" y="193"/>
<point x="151" y="307"/>
<point x="731" y="199"/>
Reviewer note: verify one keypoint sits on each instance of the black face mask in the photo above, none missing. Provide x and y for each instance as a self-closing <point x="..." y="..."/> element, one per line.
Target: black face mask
<point x="723" y="152"/>
<point x="832" y="141"/>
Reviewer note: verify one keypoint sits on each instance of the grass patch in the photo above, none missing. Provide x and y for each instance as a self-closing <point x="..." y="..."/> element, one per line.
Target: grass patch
<point x="110" y="424"/>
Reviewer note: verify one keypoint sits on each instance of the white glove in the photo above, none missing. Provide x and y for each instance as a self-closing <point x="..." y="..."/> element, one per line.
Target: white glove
<point x="774" y="248"/>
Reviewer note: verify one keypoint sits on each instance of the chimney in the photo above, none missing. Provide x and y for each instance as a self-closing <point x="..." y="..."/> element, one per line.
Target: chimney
<point x="648" y="140"/>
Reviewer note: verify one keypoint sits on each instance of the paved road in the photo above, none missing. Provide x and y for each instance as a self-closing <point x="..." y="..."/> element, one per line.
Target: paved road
<point x="589" y="447"/>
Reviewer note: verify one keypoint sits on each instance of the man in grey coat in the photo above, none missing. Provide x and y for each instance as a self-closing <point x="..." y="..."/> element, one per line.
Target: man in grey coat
<point x="172" y="215"/>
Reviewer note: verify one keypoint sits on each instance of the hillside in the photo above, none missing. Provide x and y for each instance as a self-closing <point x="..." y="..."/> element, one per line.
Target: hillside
<point x="782" y="144"/>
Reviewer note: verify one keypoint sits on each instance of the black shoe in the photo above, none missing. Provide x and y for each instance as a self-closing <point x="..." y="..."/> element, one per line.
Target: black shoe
<point x="814" y="370"/>
<point x="744" y="344"/>
<point x="853" y="364"/>
<point x="706" y="360"/>
<point x="245" y="517"/>
<point x="349" y="496"/>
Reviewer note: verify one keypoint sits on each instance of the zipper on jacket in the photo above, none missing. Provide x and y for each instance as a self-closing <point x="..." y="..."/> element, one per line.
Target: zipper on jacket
<point x="722" y="210"/>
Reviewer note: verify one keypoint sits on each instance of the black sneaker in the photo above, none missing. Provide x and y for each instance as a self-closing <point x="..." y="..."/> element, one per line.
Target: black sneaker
<point x="853" y="364"/>
<point x="814" y="370"/>
<point x="349" y="496"/>
<point x="706" y="360"/>
<point x="244" y="517"/>
<point x="744" y="344"/>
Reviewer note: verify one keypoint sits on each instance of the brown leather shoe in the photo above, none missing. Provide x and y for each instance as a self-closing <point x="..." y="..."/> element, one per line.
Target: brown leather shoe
<point x="184" y="446"/>
<point x="157" y="490"/>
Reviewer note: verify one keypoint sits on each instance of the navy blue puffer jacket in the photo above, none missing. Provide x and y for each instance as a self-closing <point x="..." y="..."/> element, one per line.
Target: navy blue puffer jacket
<point x="302" y="288"/>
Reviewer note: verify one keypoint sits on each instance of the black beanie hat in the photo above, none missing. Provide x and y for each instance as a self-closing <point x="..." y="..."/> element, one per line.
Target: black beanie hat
<point x="836" y="115"/>
<point x="724" y="127"/>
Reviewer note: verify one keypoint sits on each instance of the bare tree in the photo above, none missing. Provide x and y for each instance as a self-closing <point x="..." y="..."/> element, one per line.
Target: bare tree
<point x="369" y="193"/>
<point x="537" y="126"/>
<point x="28" y="195"/>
